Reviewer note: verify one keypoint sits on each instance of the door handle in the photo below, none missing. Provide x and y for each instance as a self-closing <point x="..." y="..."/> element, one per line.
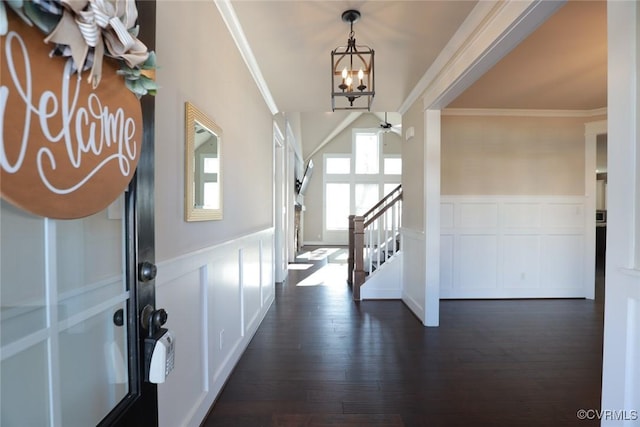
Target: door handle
<point x="152" y="320"/>
<point x="147" y="271"/>
<point x="158" y="318"/>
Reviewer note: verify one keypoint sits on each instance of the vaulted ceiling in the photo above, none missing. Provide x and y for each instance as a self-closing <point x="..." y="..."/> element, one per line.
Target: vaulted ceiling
<point x="561" y="65"/>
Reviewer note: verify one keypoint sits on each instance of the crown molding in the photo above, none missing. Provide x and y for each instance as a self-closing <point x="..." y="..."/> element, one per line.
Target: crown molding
<point x="456" y="44"/>
<point x="230" y="19"/>
<point x="490" y="31"/>
<point x="596" y="128"/>
<point x="505" y="112"/>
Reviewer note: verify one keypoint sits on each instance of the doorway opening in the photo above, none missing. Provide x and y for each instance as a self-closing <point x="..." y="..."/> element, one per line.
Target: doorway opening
<point x="601" y="212"/>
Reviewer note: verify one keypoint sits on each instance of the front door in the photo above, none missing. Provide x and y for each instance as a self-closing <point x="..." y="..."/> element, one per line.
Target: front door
<point x="72" y="294"/>
<point x="64" y="331"/>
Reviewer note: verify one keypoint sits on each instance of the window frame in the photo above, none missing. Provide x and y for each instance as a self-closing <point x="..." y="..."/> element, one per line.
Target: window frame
<point x="380" y="179"/>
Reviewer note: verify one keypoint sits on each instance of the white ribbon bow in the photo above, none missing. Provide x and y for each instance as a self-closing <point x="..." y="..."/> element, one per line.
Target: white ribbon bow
<point x="103" y="22"/>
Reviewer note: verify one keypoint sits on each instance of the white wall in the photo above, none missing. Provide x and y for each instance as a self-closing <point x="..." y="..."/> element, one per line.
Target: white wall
<point x="215" y="278"/>
<point x="413" y="169"/>
<point x="201" y="64"/>
<point x="413" y="203"/>
<point x="621" y="355"/>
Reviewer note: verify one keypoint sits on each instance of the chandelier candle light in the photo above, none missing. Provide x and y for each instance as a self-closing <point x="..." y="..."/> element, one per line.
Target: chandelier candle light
<point x="352" y="78"/>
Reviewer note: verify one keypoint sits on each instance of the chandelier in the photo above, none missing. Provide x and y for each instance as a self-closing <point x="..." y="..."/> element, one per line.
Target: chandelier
<point x="352" y="79"/>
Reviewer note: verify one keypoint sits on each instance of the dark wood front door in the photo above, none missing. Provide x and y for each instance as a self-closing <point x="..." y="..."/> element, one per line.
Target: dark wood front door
<point x="140" y="407"/>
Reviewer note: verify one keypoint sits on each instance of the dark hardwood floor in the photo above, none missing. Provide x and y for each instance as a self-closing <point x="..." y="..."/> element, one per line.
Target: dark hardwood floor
<point x="319" y="359"/>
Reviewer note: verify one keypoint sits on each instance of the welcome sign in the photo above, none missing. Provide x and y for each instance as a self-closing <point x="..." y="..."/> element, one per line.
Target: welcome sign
<point x="67" y="150"/>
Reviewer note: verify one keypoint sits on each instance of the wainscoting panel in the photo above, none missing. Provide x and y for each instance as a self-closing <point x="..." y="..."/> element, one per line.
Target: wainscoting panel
<point x="521" y="215"/>
<point x="521" y="263"/>
<point x="447" y="215"/>
<point x="267" y="272"/>
<point x="512" y="247"/>
<point x="446" y="262"/>
<point x="563" y="215"/>
<point x="251" y="285"/>
<point x="215" y="298"/>
<point x="562" y="257"/>
<point x="479" y="255"/>
<point x="477" y="214"/>
<point x="413" y="279"/>
<point x="185" y="321"/>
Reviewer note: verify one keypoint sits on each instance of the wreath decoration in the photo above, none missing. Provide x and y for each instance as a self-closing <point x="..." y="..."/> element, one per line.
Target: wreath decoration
<point x="84" y="31"/>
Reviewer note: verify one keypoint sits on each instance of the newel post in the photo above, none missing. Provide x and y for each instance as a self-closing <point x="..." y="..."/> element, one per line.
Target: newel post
<point x="358" y="244"/>
<point x="351" y="251"/>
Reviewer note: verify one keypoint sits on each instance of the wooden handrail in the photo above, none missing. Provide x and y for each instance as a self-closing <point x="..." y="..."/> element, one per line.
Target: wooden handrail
<point x="379" y="214"/>
<point x="382" y="201"/>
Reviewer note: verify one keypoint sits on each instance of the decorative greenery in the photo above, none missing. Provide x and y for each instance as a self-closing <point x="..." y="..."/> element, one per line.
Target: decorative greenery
<point x="138" y="80"/>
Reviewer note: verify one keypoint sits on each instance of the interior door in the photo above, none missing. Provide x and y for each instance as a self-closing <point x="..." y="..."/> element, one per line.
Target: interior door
<point x="72" y="298"/>
<point x="280" y="237"/>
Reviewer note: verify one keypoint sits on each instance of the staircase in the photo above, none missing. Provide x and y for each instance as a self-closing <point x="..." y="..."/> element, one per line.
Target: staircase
<point x="374" y="239"/>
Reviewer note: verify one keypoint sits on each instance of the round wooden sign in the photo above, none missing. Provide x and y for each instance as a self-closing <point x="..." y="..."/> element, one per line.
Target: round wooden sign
<point x="66" y="150"/>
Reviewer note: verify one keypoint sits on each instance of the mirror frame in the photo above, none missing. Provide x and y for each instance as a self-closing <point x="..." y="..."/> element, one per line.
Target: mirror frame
<point x="193" y="116"/>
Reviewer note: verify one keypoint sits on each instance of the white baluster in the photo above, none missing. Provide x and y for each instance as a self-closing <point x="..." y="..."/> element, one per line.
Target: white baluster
<point x="369" y="254"/>
<point x="394" y="229"/>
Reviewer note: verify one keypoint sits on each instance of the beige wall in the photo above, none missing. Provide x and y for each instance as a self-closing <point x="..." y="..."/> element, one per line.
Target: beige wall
<point x="512" y="155"/>
<point x="341" y="144"/>
<point x="201" y="64"/>
<point x="413" y="169"/>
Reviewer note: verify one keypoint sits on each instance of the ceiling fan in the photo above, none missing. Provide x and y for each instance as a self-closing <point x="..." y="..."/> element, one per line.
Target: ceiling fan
<point x="385" y="126"/>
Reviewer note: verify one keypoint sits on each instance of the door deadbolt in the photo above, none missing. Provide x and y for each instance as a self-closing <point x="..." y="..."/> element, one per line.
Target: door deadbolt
<point x="147" y="271"/>
<point x="118" y="317"/>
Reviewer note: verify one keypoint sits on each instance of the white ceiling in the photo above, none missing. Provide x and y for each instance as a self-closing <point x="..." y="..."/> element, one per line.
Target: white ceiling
<point x="562" y="65"/>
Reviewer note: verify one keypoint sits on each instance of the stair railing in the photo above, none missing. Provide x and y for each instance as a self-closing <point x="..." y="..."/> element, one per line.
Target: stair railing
<point x="373" y="238"/>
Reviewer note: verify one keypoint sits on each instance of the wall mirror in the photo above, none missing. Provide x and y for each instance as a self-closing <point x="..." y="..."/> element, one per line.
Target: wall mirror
<point x="203" y="177"/>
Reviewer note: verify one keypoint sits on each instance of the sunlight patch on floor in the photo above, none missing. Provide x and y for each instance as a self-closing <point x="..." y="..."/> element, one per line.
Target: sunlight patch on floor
<point x="317" y="254"/>
<point x="299" y="266"/>
<point x="329" y="275"/>
<point x="341" y="257"/>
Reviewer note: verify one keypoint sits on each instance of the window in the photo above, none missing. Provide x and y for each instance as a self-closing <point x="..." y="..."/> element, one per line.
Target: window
<point x="392" y="165"/>
<point x="211" y="164"/>
<point x="337" y="198"/>
<point x="211" y="195"/>
<point x="338" y="165"/>
<point x="366" y="195"/>
<point x="353" y="183"/>
<point x="209" y="191"/>
<point x="388" y="188"/>
<point x="367" y="150"/>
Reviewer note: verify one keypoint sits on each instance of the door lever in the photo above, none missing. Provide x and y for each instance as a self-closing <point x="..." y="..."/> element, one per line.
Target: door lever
<point x="158" y="318"/>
